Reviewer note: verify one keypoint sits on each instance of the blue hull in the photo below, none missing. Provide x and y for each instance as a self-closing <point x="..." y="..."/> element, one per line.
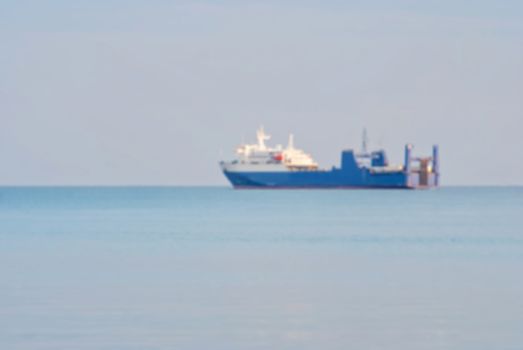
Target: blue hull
<point x="350" y="175"/>
<point x="322" y="179"/>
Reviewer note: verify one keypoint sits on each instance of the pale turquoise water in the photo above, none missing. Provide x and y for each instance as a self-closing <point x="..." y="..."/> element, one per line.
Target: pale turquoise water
<point x="214" y="268"/>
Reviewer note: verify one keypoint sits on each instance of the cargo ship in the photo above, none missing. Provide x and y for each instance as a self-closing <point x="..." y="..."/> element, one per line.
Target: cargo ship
<point x="260" y="166"/>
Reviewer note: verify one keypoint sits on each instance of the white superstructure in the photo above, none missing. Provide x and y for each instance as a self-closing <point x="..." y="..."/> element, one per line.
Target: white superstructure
<point x="260" y="158"/>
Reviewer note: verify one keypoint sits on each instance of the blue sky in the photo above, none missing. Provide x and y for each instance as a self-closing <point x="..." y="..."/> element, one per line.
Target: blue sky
<point x="157" y="92"/>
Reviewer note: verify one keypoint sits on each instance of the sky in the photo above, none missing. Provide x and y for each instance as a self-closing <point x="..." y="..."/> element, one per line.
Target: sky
<point x="158" y="92"/>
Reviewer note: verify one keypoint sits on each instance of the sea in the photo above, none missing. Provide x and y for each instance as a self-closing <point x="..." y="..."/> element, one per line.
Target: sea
<point x="217" y="268"/>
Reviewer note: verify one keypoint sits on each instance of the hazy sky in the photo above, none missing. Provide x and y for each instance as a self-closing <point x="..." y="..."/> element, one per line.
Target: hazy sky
<point x="157" y="92"/>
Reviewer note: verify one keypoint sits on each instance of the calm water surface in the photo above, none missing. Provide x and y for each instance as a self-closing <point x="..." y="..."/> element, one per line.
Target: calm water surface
<point x="214" y="268"/>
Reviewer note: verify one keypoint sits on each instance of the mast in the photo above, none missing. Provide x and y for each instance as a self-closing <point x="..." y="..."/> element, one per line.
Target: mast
<point x="290" y="145"/>
<point x="364" y="141"/>
<point x="262" y="137"/>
